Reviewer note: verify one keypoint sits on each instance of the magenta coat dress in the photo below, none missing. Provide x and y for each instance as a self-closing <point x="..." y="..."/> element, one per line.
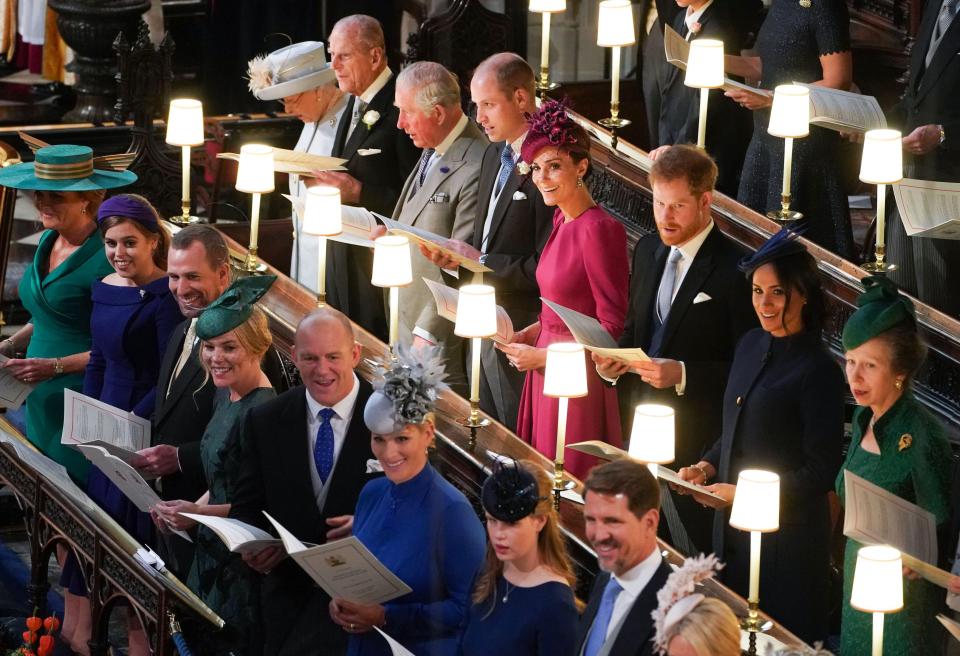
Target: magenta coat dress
<point x="583" y="267"/>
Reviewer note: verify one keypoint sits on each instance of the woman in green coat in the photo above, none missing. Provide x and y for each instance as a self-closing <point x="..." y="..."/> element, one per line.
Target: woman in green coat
<point x="55" y="288"/>
<point x="898" y="445"/>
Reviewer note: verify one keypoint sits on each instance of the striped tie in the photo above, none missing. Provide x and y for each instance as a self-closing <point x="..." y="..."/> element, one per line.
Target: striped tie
<point x="947" y="13"/>
<point x="421" y="171"/>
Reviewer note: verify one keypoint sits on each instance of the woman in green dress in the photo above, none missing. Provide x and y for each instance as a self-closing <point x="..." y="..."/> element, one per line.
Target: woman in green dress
<point x="898" y="445"/>
<point x="234" y="336"/>
<point x="55" y="288"/>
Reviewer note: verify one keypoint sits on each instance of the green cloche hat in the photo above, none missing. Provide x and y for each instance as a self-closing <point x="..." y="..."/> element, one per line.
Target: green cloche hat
<point x="233" y="307"/>
<point x="880" y="308"/>
<point x="69" y="168"/>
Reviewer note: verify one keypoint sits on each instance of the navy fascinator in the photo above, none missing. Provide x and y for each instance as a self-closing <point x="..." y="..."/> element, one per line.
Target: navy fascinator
<point x="780" y="245"/>
<point x="510" y="493"/>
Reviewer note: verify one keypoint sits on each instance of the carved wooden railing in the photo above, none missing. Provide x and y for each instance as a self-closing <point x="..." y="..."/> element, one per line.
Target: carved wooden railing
<point x="57" y="514"/>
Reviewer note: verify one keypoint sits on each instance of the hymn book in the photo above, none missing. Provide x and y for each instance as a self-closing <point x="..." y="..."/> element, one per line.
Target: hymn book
<point x="606" y="451"/>
<point x="89" y="421"/>
<point x="13" y="391"/>
<point x="356" y="221"/>
<point x="591" y="335"/>
<point x="296" y="162"/>
<point x="929" y="209"/>
<point x="844" y="111"/>
<point x="239" y="537"/>
<point x="434" y="242"/>
<point x="345" y="569"/>
<point x="446" y="299"/>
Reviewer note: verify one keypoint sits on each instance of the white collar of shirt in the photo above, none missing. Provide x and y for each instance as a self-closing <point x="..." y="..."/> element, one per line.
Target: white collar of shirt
<point x="690" y="249"/>
<point x="343" y="408"/>
<point x="448" y="140"/>
<point x="694" y="16"/>
<point x="517" y="145"/>
<point x="633" y="581"/>
<point x="375" y="86"/>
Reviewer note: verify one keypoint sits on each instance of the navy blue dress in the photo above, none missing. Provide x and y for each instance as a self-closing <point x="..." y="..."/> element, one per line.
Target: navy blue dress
<point x="783" y="412"/>
<point x="537" y="621"/>
<point x="424" y="531"/>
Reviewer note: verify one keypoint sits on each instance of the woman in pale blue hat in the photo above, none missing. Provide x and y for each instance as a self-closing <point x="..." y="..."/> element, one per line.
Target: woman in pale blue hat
<point x="68" y="188"/>
<point x="301" y="78"/>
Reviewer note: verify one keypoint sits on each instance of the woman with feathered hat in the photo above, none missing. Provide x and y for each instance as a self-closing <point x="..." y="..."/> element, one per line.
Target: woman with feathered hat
<point x="420" y="526"/>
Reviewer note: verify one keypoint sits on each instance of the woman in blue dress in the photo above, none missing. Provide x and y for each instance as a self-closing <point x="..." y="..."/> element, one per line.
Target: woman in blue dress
<point x="234" y="336"/>
<point x="419" y="526"/>
<point x="132" y="318"/>
<point x="523" y="601"/>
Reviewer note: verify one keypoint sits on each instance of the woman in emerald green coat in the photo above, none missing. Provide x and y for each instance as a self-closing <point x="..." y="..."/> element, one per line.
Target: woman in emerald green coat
<point x="898" y="445"/>
<point x="55" y="288"/>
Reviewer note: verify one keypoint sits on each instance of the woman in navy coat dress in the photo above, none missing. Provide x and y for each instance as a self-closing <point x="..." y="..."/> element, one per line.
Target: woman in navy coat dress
<point x="782" y="412"/>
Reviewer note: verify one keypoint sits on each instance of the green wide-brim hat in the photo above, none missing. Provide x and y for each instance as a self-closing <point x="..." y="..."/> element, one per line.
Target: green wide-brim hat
<point x="64" y="168"/>
<point x="880" y="308"/>
<point x="233" y="307"/>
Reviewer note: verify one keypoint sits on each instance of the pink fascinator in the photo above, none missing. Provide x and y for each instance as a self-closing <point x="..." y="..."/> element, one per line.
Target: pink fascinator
<point x="549" y="126"/>
<point x="677" y="598"/>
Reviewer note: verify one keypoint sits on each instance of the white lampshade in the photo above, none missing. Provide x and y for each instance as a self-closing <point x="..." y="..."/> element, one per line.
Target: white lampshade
<point x="882" y="161"/>
<point x="185" y="123"/>
<point x="790" y="114"/>
<point x="756" y="505"/>
<point x="476" y="311"/>
<point x="705" y="64"/>
<point x="391" y="262"/>
<point x="548" y="6"/>
<point x="615" y="26"/>
<point x="321" y="214"/>
<point x="566" y="371"/>
<point x="878" y="580"/>
<point x="652" y="435"/>
<point x="255" y="173"/>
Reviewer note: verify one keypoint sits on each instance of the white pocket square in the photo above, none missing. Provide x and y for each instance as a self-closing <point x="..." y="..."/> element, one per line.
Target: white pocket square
<point x="374" y="466"/>
<point x="702" y="297"/>
<point x="363" y="152"/>
<point x="519" y="195"/>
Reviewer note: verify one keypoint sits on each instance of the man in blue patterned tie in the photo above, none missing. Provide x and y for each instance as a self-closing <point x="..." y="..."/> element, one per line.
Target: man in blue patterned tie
<point x="305" y="457"/>
<point x="622" y="511"/>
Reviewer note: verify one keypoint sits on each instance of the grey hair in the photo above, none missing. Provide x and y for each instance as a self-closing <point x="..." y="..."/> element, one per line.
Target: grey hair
<point x="367" y="30"/>
<point x="434" y="85"/>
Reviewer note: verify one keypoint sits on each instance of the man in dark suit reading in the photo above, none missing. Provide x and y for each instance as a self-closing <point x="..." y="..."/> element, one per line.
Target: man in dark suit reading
<point x="198" y="269"/>
<point x="512" y="224"/>
<point x="622" y="510"/>
<point x="305" y="457"/>
<point x="689" y="305"/>
<point x="379" y="157"/>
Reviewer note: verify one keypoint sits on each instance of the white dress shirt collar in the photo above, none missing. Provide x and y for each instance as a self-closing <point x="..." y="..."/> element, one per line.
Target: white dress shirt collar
<point x="342" y="408"/>
<point x="635" y="579"/>
<point x="452" y="136"/>
<point x="375" y="86"/>
<point x="515" y="146"/>
<point x="690" y="249"/>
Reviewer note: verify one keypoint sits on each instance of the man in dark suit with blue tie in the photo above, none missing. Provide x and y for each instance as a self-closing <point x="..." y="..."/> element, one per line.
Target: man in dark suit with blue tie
<point x="512" y="223"/>
<point x="929" y="118"/>
<point x="305" y="457"/>
<point x="621" y="511"/>
<point x="379" y="158"/>
<point x="689" y="305"/>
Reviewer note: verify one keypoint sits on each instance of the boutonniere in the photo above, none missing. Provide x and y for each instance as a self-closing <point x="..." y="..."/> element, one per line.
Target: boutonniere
<point x="695" y="28"/>
<point x="444" y="169"/>
<point x="370" y="118"/>
<point x="523" y="167"/>
<point x="906" y="440"/>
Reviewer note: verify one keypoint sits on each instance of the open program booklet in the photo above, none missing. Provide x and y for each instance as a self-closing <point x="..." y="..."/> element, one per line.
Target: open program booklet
<point x="591" y="335"/>
<point x="929" y="209"/>
<point x="447" y="298"/>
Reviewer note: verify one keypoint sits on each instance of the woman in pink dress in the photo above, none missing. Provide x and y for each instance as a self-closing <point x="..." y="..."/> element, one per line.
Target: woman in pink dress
<point x="583" y="267"/>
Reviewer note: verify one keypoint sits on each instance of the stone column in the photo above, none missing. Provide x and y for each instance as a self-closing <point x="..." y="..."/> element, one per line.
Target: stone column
<point x="90" y="27"/>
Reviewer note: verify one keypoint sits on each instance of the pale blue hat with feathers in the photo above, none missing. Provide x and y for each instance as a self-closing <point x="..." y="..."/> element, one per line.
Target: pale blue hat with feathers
<point x="406" y="391"/>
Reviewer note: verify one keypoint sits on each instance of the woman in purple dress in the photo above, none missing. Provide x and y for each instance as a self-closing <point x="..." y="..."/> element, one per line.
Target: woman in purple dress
<point x="583" y="267"/>
<point x="133" y="316"/>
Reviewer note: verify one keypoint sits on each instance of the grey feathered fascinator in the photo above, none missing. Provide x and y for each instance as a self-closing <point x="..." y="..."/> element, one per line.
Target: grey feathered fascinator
<point x="406" y="391"/>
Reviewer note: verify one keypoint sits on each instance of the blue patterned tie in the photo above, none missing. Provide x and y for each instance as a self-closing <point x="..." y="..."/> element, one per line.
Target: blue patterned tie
<point x="601" y="623"/>
<point x="323" y="449"/>
<point x="421" y="170"/>
<point x="667" y="283"/>
<point x="506" y="168"/>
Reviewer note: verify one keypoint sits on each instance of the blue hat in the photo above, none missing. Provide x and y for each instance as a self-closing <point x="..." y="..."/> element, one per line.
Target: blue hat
<point x="406" y="391"/>
<point x="68" y="168"/>
<point x="782" y="244"/>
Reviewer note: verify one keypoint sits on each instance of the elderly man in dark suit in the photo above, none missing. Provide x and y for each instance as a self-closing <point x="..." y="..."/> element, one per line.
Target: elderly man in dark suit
<point x="689" y="305"/>
<point x="512" y="223"/>
<point x="305" y="457"/>
<point x="198" y="268"/>
<point x="729" y="126"/>
<point x="929" y="117"/>
<point x="379" y="158"/>
<point x="621" y="512"/>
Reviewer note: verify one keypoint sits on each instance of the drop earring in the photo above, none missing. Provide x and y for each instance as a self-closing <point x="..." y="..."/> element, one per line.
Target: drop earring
<point x="579" y="182"/>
